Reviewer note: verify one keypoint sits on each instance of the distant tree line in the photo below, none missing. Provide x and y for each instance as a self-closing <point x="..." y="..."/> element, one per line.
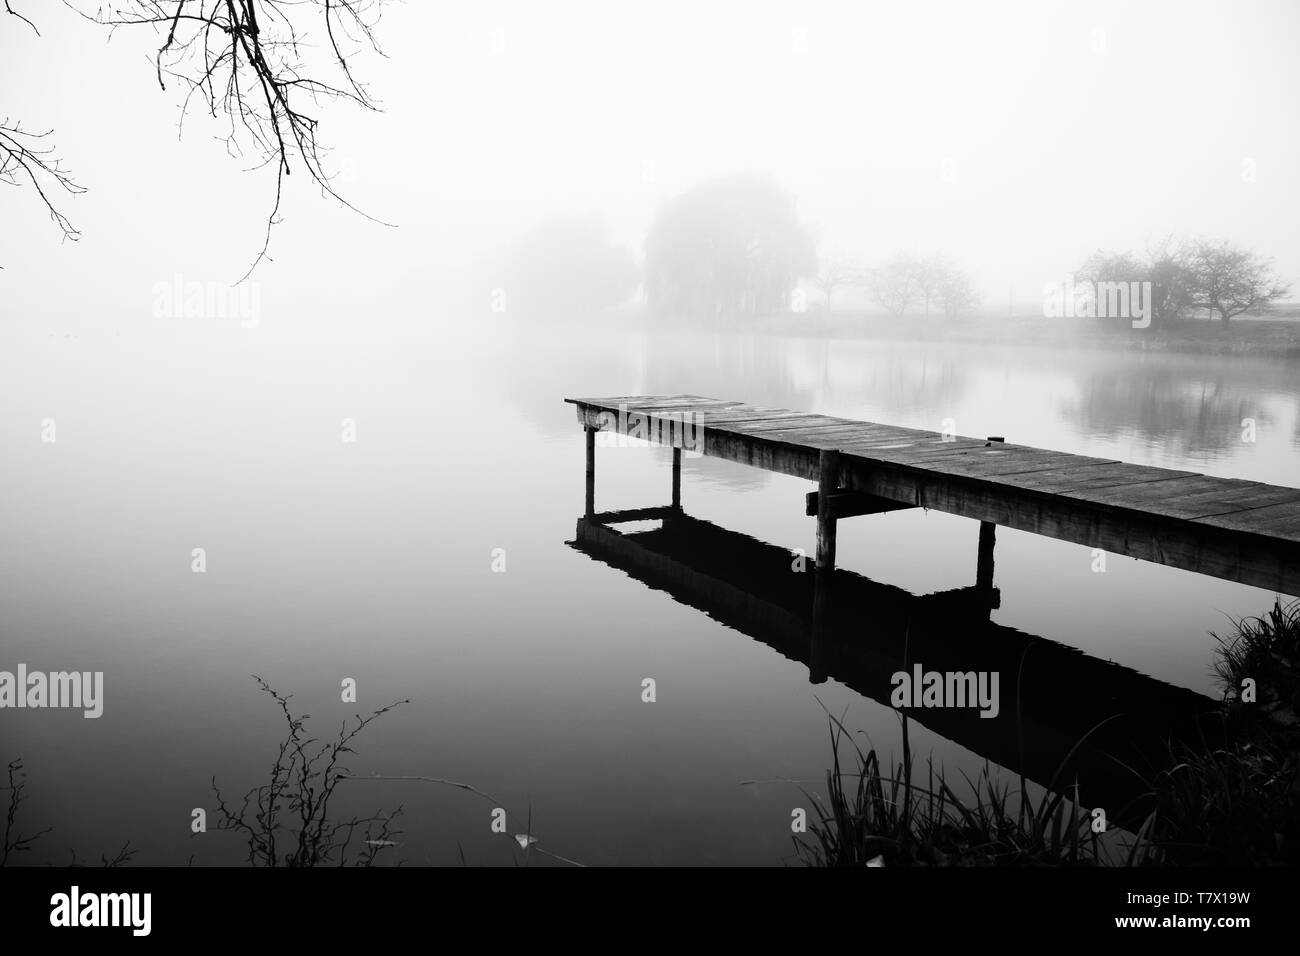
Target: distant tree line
<point x="734" y="247"/>
<point x="902" y="284"/>
<point x="1213" y="276"/>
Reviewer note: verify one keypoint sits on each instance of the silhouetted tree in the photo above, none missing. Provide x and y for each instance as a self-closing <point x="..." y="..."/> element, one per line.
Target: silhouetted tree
<point x="893" y="285"/>
<point x="835" y="274"/>
<point x="1226" y="279"/>
<point x="929" y="275"/>
<point x="731" y="246"/>
<point x="1113" y="267"/>
<point x="955" y="293"/>
<point x="1171" y="294"/>
<point x="1216" y="276"/>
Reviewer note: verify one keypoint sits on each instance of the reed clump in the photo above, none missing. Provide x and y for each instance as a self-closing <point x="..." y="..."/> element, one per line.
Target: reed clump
<point x="1228" y="798"/>
<point x="287" y="820"/>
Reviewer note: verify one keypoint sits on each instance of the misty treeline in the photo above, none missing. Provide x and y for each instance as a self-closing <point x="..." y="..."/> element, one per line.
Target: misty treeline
<point x="902" y="284"/>
<point x="735" y="248"/>
<point x="1213" y="276"/>
<point x="261" y="68"/>
<point x="732" y="247"/>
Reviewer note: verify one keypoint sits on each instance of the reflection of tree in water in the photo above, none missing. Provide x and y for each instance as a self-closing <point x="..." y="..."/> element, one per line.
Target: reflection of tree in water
<point x="804" y="375"/>
<point x="753" y="369"/>
<point x="1166" y="406"/>
<point x="912" y="383"/>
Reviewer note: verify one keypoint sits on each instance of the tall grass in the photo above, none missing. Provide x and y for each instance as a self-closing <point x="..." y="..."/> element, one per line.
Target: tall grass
<point x="1237" y="802"/>
<point x="880" y="816"/>
<point x="1266" y="650"/>
<point x="1231" y="798"/>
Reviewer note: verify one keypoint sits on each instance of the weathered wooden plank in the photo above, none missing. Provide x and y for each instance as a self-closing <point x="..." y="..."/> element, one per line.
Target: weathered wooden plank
<point x="1158" y="497"/>
<point x="1275" y="520"/>
<point x="992" y="462"/>
<point x="900" y="438"/>
<point x="614" y="401"/>
<point x="1092" y="476"/>
<point x="801" y="462"/>
<point x="812" y="437"/>
<point x="800" y="422"/>
<point x="728" y="416"/>
<point x="891" y="437"/>
<point x="850" y="504"/>
<point x="965" y="450"/>
<point x="689" y="401"/>
<point x="848" y="431"/>
<point x="633" y="514"/>
<point x="1219" y="501"/>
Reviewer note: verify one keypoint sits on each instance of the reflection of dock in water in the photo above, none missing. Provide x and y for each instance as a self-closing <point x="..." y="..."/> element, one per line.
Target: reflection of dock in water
<point x="1051" y="695"/>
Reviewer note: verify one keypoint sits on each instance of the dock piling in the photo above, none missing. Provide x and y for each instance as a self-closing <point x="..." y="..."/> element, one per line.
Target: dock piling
<point x="677" y="479"/>
<point x="827" y="484"/>
<point x="591" y="470"/>
<point x="988" y="537"/>
<point x="984" y="566"/>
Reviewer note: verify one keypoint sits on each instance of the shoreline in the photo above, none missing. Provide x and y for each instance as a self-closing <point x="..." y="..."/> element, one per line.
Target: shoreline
<point x="1272" y="338"/>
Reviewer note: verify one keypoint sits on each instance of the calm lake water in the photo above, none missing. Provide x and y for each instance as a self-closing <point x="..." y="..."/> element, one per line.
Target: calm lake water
<point x="373" y="560"/>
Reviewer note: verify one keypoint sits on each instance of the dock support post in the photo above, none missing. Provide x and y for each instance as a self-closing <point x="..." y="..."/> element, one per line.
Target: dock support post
<point x="984" y="566"/>
<point x="827" y="484"/>
<point x="828" y="480"/>
<point x="591" y="469"/>
<point x="988" y="537"/>
<point x="677" y="479"/>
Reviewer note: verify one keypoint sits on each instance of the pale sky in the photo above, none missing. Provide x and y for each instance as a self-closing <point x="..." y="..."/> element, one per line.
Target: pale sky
<point x="1014" y="137"/>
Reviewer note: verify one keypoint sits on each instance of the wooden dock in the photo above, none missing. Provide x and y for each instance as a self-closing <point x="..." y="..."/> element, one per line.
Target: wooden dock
<point x="1228" y="528"/>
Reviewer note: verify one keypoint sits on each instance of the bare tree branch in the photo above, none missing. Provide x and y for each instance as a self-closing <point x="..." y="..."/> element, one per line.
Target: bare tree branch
<point x="248" y="61"/>
<point x="9" y="9"/>
<point x="26" y="159"/>
<point x="256" y="65"/>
